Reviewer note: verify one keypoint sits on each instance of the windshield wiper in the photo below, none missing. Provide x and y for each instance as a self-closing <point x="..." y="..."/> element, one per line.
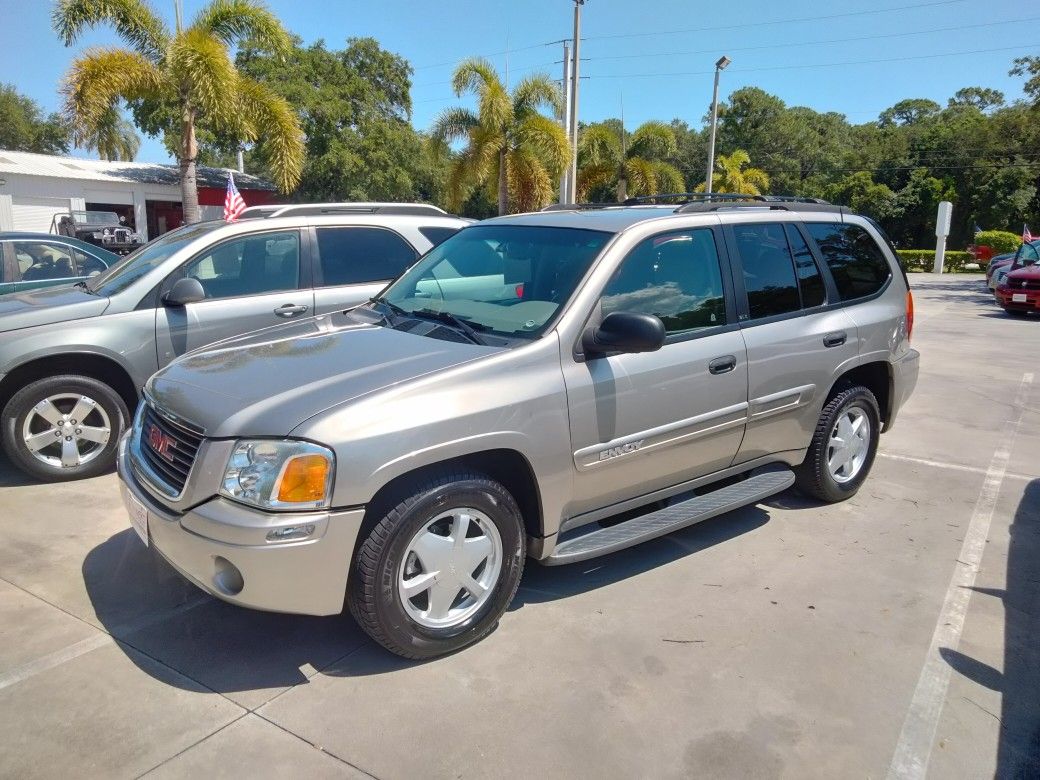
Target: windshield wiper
<point x="391" y="306"/>
<point x="84" y="286"/>
<point x="464" y="326"/>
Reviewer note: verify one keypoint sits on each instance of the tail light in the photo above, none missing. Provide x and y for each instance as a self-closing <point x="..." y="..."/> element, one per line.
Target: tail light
<point x="909" y="314"/>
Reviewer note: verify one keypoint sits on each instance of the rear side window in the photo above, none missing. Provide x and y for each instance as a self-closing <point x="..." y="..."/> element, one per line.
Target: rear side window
<point x="674" y="276"/>
<point x="768" y="268"/>
<point x="857" y="264"/>
<point x="810" y="281"/>
<point x="355" y="255"/>
<point x="437" y="234"/>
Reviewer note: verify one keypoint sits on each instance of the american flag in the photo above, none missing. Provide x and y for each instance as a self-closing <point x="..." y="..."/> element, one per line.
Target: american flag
<point x="233" y="203"/>
<point x="1026" y="235"/>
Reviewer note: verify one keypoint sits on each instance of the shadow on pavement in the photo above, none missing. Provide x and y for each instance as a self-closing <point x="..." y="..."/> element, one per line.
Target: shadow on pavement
<point x="148" y="606"/>
<point x="1018" y="751"/>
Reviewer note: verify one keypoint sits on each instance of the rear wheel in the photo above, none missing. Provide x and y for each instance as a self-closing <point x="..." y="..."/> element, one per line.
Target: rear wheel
<point x="843" y="446"/>
<point x="440" y="568"/>
<point x="64" y="427"/>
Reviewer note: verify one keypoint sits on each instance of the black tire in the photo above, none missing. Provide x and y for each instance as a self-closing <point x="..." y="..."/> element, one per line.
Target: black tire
<point x="102" y="455"/>
<point x="813" y="477"/>
<point x="373" y="595"/>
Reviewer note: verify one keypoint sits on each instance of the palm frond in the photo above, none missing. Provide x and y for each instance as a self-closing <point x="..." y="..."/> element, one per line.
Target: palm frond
<point x="667" y="178"/>
<point x="479" y="77"/>
<point x="113" y="137"/>
<point x="641" y="175"/>
<point x="244" y="21"/>
<point x="201" y="67"/>
<point x="653" y="141"/>
<point x="598" y="145"/>
<point x="135" y="21"/>
<point x="453" y="124"/>
<point x="534" y="92"/>
<point x="279" y="128"/>
<point x="592" y="176"/>
<point x="530" y="185"/>
<point x="546" y="139"/>
<point x="100" y="77"/>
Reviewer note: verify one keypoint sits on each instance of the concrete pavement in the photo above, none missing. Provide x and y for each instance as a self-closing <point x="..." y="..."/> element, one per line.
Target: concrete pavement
<point x="786" y="639"/>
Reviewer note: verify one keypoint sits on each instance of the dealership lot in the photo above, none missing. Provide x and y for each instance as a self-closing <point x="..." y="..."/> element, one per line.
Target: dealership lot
<point x="787" y="638"/>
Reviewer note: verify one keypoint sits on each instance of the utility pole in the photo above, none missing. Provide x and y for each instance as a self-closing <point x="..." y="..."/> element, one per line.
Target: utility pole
<point x="719" y="67"/>
<point x="572" y="183"/>
<point x="177" y="14"/>
<point x="566" y="118"/>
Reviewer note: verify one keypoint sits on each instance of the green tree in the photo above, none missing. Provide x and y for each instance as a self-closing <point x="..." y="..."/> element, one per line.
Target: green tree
<point x="510" y="145"/>
<point x="1028" y="66"/>
<point x="354" y="106"/>
<point x="982" y="98"/>
<point x="861" y="193"/>
<point x="178" y="82"/>
<point x="24" y="128"/>
<point x="908" y="112"/>
<point x="731" y="175"/>
<point x="113" y="138"/>
<point x="635" y="164"/>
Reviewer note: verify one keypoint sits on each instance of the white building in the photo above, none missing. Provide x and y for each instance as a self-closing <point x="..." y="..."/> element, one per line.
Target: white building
<point x="36" y="187"/>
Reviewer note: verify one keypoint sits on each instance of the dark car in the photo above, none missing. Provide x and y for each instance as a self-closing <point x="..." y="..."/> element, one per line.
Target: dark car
<point x="29" y="261"/>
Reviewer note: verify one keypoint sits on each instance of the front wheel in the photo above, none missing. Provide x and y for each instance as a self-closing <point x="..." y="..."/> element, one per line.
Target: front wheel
<point x="843" y="446"/>
<point x="64" y="427"/>
<point x="440" y="568"/>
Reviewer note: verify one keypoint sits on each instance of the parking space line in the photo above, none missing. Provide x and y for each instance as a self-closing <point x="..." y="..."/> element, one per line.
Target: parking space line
<point x="922" y="719"/>
<point x="75" y="650"/>
<point x="939" y="464"/>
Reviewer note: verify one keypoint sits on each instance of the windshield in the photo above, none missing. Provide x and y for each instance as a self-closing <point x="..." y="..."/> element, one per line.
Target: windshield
<point x="504" y="279"/>
<point x="136" y="264"/>
<point x="96" y="217"/>
<point x="1027" y="254"/>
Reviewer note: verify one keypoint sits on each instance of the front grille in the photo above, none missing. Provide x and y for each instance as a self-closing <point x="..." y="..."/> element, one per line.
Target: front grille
<point x="1027" y="284"/>
<point x="168" y="448"/>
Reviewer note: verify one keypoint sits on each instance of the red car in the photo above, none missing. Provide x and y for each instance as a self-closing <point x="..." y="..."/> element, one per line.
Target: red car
<point x="1019" y="292"/>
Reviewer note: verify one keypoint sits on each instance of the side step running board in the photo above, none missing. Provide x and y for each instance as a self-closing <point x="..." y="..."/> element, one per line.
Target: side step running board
<point x="761" y="485"/>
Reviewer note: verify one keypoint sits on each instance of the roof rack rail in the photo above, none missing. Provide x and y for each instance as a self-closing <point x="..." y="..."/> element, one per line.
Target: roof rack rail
<point x="397" y="209"/>
<point x="691" y="197"/>
<point x="259" y="212"/>
<point x="581" y="206"/>
<point x="721" y="201"/>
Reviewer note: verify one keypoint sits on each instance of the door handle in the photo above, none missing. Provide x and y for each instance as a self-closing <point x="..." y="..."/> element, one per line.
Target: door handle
<point x="722" y="365"/>
<point x="835" y="339"/>
<point x="290" y="310"/>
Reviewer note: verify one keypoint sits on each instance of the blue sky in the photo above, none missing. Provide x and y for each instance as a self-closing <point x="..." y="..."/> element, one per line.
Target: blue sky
<point x="657" y="57"/>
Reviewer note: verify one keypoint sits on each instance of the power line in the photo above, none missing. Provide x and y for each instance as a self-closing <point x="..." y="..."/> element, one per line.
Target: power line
<point x="810" y="66"/>
<point x="745" y="25"/>
<point x="811" y="43"/>
<point x="512" y="50"/>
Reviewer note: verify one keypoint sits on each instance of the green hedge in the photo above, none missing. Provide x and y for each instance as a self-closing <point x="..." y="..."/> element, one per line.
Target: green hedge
<point x="924" y="260"/>
<point x="1000" y="241"/>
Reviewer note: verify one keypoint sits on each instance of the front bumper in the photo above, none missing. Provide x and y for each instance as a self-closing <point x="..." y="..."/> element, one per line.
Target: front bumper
<point x="904" y="379"/>
<point x="307" y="577"/>
<point x="1006" y="298"/>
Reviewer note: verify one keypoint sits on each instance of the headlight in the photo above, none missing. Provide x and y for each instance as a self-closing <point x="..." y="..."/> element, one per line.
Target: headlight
<point x="279" y="474"/>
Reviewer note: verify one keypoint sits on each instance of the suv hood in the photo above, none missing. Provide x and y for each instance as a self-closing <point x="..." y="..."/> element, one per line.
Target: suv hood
<point x="268" y="382"/>
<point x="48" y="306"/>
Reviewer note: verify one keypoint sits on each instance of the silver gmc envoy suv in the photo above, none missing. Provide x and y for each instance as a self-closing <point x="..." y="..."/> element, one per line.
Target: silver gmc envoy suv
<point x="559" y="385"/>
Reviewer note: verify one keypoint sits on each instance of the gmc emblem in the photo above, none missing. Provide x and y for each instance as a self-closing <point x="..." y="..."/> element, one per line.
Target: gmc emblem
<point x="161" y="443"/>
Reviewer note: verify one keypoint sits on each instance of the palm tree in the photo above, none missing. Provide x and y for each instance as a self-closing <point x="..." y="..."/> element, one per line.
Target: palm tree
<point x="188" y="74"/>
<point x="509" y="144"/>
<point x="113" y="138"/>
<point x="731" y="176"/>
<point x="639" y="169"/>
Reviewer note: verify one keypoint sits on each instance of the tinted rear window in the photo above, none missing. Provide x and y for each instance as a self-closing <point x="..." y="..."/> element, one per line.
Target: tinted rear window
<point x="438" y="234"/>
<point x="857" y="264"/>
<point x="354" y="255"/>
<point x="768" y="269"/>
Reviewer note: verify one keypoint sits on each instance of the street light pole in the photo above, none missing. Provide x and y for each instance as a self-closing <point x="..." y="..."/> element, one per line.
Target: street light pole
<point x="720" y="66"/>
<point x="565" y="176"/>
<point x="572" y="177"/>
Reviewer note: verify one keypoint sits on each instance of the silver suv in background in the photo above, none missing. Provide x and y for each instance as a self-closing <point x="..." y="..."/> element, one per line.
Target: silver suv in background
<point x="73" y="359"/>
<point x="559" y="385"/>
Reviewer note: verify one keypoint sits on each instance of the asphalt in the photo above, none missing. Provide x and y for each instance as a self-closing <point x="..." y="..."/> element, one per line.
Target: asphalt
<point x="894" y="634"/>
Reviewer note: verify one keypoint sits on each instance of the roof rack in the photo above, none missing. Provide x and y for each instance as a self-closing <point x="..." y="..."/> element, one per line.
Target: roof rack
<point x="690" y="197"/>
<point x="259" y="212"/>
<point x="396" y="209"/>
<point x="582" y="206"/>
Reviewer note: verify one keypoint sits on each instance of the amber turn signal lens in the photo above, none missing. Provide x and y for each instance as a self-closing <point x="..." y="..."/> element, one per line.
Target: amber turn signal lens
<point x="303" y="480"/>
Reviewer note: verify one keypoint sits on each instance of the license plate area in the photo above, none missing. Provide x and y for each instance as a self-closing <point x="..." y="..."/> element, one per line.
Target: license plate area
<point x="1019" y="297"/>
<point x="138" y="517"/>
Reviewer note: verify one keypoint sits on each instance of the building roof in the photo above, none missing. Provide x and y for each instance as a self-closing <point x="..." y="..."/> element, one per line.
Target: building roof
<point x="30" y="164"/>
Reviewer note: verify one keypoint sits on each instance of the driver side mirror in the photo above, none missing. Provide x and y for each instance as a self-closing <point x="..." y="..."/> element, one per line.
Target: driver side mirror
<point x="624" y="331"/>
<point x="185" y="291"/>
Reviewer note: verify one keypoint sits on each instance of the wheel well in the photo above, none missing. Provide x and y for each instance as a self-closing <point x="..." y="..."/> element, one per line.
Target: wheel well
<point x="507" y="467"/>
<point x="876" y="377"/>
<point x="96" y="367"/>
